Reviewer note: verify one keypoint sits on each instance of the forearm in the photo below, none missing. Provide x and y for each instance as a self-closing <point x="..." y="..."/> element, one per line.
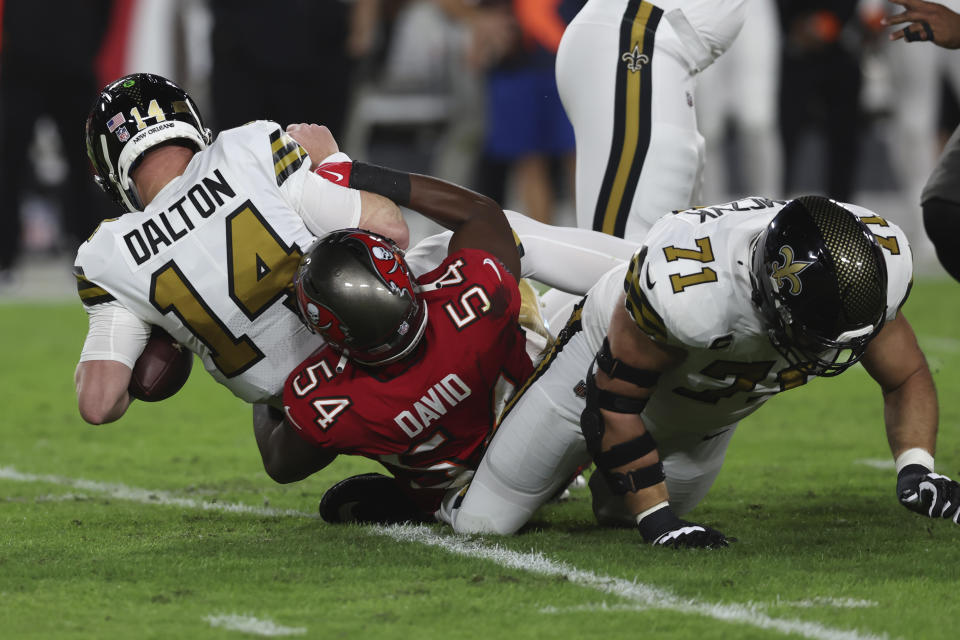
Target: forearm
<point x="620" y="429"/>
<point x="286" y="457"/>
<point x="476" y="220"/>
<point x="911" y="414"/>
<point x="894" y="360"/>
<point x="101" y="387"/>
<point x="381" y="215"/>
<point x="447" y="204"/>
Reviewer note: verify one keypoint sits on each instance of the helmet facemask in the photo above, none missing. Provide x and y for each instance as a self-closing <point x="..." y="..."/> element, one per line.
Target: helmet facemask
<point x="820" y="316"/>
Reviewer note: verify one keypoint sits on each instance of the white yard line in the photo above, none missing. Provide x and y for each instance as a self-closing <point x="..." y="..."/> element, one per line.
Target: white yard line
<point x="640" y="594"/>
<point x="824" y="601"/>
<point x="146" y="496"/>
<point x="835" y="603"/>
<point x="255" y="626"/>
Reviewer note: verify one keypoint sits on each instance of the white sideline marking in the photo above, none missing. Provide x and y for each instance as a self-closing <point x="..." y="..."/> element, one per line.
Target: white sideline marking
<point x="884" y="463"/>
<point x="645" y="595"/>
<point x="641" y="594"/>
<point x="836" y="603"/>
<point x="249" y="624"/>
<point x="593" y="608"/>
<point x="163" y="498"/>
<point x="823" y="601"/>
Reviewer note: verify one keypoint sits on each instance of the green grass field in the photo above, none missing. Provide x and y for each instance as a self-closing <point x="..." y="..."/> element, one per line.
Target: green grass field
<point x="164" y="525"/>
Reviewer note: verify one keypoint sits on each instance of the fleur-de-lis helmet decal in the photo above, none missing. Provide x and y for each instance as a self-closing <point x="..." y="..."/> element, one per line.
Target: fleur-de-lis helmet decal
<point x="789" y="272"/>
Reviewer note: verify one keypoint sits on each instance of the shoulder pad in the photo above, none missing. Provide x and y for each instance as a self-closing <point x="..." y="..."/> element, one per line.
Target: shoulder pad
<point x="680" y="289"/>
<point x="286" y="155"/>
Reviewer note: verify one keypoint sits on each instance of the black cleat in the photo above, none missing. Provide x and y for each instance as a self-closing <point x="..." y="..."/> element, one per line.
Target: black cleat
<point x="368" y="498"/>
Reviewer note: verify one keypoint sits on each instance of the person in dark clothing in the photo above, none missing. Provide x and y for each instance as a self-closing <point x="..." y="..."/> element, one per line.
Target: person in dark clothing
<point x="290" y="60"/>
<point x="47" y="69"/>
<point x="820" y="87"/>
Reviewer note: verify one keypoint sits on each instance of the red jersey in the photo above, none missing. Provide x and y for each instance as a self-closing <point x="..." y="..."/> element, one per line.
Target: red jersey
<point x="427" y="417"/>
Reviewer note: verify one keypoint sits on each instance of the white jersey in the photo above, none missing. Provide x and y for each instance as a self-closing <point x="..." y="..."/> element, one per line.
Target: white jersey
<point x="693" y="291"/>
<point x="211" y="259"/>
<point x="730" y="370"/>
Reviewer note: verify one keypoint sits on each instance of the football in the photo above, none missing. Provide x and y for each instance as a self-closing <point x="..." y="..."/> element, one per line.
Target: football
<point x="162" y="369"/>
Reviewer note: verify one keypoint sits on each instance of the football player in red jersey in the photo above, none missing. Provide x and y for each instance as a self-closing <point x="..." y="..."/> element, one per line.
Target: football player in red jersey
<point x="413" y="368"/>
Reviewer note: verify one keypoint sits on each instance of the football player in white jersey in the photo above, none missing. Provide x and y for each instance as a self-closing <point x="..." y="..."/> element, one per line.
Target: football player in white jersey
<point x="724" y="307"/>
<point x="626" y="74"/>
<point x="212" y="234"/>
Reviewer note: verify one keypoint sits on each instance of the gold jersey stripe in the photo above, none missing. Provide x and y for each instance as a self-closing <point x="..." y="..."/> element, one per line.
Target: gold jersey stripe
<point x="90" y="293"/>
<point x="648" y="320"/>
<point x="288" y="155"/>
<point x="296" y="154"/>
<point x="278" y="140"/>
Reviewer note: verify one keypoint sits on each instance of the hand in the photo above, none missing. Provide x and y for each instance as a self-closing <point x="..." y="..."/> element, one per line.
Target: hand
<point x="929" y="21"/>
<point x="316" y="139"/>
<point x="928" y="493"/>
<point x="663" y="528"/>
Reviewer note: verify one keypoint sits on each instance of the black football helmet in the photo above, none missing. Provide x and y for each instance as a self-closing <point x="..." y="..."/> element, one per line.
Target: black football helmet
<point x="355" y="289"/>
<point x="129" y="117"/>
<point x="820" y="280"/>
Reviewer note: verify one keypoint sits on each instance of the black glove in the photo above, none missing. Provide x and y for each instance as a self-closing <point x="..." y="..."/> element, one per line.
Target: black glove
<point x="928" y="493"/>
<point x="663" y="528"/>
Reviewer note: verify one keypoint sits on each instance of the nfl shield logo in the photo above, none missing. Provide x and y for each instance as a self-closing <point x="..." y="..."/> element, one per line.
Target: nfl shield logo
<point x="122" y="134"/>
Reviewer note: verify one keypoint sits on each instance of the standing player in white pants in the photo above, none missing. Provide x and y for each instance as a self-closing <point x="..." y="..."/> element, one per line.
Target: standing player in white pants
<point x="625" y="71"/>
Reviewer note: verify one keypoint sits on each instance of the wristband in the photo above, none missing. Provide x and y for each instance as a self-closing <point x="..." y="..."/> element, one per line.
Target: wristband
<point x="388" y="183"/>
<point x="656" y="521"/>
<point x="655" y="507"/>
<point x="915" y="455"/>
